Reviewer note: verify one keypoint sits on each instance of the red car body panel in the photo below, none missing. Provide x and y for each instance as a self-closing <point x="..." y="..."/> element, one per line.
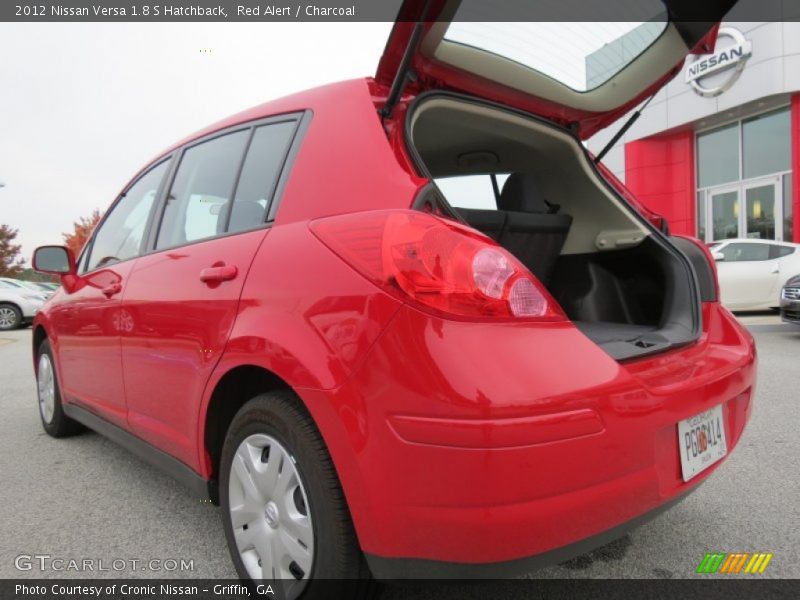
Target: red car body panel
<point x="470" y="442"/>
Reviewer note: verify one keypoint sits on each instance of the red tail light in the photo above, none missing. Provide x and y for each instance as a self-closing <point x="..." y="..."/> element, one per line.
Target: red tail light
<point x="437" y="264"/>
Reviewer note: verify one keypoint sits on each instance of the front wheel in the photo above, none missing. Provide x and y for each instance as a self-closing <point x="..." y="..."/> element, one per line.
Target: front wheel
<point x="54" y="421"/>
<point x="285" y="516"/>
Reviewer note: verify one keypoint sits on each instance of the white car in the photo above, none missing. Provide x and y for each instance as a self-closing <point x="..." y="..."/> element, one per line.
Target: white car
<point x="29" y="286"/>
<point x="752" y="272"/>
<point x="18" y="305"/>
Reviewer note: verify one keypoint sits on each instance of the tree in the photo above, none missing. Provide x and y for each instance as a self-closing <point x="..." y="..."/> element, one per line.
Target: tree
<point x="10" y="260"/>
<point x="82" y="229"/>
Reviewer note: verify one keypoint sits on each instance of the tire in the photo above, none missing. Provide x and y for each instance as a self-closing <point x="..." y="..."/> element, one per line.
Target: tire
<point x="268" y="430"/>
<point x="10" y="317"/>
<point x="54" y="421"/>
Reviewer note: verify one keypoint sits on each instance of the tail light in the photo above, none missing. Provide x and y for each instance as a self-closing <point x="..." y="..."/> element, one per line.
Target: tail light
<point x="437" y="264"/>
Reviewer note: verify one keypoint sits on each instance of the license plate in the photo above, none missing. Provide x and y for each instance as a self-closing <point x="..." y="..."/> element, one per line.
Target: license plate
<point x="701" y="440"/>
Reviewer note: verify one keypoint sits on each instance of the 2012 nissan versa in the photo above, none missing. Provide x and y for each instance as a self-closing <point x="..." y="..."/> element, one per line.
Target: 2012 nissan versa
<point x="327" y="315"/>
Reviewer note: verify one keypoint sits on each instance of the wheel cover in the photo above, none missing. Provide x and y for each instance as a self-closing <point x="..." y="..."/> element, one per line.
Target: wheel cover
<point x="270" y="514"/>
<point x="8" y="318"/>
<point x="47" y="388"/>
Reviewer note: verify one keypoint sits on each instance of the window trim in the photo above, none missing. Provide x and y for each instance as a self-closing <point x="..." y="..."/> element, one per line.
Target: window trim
<point x="301" y="120"/>
<point x="86" y="254"/>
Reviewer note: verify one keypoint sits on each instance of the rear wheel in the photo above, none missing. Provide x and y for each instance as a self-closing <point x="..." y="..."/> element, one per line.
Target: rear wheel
<point x="284" y="511"/>
<point x="10" y="317"/>
<point x="54" y="421"/>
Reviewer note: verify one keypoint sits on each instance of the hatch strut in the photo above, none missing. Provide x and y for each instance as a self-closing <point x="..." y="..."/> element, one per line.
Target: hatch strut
<point x="622" y="131"/>
<point x="404" y="73"/>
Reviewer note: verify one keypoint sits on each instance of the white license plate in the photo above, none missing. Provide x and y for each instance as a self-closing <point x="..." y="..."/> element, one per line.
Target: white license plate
<point x="701" y="440"/>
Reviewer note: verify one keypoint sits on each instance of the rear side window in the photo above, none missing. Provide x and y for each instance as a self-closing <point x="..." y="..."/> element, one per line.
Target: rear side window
<point x="201" y="190"/>
<point x="746" y="252"/>
<point x="120" y="235"/>
<point x="780" y="251"/>
<point x="470" y="191"/>
<point x="260" y="172"/>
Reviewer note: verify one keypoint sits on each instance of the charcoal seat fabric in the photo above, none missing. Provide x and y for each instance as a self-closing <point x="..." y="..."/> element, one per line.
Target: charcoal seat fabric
<point x="533" y="231"/>
<point x="490" y="222"/>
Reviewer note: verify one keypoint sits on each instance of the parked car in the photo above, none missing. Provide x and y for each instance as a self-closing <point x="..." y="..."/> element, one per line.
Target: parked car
<point x="790" y="300"/>
<point x="752" y="272"/>
<point x="18" y="306"/>
<point x="28" y="286"/>
<point x="370" y="380"/>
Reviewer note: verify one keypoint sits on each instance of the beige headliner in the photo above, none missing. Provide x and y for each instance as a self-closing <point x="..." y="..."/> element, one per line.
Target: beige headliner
<point x="642" y="72"/>
<point x="442" y="129"/>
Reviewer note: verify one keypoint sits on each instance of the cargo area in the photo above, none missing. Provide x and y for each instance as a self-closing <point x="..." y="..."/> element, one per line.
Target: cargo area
<point x="530" y="186"/>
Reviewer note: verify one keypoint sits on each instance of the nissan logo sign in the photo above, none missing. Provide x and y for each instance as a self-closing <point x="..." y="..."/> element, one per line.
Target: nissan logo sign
<point x="732" y="53"/>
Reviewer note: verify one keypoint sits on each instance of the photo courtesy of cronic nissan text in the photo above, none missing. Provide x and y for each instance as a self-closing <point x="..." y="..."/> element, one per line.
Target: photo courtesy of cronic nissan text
<point x="399" y="299"/>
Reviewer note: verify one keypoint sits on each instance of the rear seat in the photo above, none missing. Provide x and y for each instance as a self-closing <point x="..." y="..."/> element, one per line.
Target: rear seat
<point x="525" y="224"/>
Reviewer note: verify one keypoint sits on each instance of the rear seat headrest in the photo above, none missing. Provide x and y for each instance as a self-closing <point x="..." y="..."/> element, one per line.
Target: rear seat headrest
<point x="521" y="193"/>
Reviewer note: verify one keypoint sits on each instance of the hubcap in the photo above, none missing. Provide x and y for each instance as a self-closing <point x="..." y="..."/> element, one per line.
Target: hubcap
<point x="8" y="318"/>
<point x="269" y="513"/>
<point x="47" y="388"/>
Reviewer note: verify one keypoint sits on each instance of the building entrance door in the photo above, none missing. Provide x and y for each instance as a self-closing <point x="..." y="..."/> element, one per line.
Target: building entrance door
<point x="751" y="209"/>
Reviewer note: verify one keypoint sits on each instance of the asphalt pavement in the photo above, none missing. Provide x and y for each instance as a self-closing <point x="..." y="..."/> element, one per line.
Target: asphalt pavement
<point x="86" y="498"/>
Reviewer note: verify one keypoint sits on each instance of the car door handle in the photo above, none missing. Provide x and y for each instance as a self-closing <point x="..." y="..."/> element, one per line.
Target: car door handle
<point x="218" y="272"/>
<point x="776" y="269"/>
<point x="110" y="290"/>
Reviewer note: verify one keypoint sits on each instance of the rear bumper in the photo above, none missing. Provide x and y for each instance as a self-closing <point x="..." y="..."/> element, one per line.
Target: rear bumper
<point x="492" y="449"/>
<point x="414" y="568"/>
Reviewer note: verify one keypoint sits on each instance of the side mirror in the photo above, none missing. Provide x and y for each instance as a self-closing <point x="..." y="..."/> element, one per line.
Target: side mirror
<point x="54" y="260"/>
<point x="718" y="256"/>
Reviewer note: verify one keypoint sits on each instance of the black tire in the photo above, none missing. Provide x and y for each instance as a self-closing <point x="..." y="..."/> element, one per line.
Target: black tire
<point x="12" y="316"/>
<point x="337" y="554"/>
<point x="59" y="425"/>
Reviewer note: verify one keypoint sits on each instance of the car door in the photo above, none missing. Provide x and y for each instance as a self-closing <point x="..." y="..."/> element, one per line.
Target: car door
<point x="182" y="297"/>
<point x="747" y="275"/>
<point x="85" y="321"/>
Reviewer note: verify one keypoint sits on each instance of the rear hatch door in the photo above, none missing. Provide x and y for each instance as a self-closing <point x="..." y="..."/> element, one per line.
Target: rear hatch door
<point x="581" y="64"/>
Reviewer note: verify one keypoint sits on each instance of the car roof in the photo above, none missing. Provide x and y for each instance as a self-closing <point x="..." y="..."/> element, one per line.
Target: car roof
<point x="755" y="241"/>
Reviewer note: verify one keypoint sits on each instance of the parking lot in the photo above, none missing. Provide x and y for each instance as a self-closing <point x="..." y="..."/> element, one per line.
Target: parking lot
<point x="85" y="497"/>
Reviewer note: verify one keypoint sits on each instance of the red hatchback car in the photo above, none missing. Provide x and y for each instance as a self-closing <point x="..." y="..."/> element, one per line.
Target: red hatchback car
<point x="406" y="326"/>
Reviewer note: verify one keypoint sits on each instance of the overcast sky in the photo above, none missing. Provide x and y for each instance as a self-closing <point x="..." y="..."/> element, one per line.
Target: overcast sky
<point x="85" y="106"/>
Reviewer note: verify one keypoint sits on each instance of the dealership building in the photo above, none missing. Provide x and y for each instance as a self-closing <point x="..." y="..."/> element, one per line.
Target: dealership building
<point x="716" y="152"/>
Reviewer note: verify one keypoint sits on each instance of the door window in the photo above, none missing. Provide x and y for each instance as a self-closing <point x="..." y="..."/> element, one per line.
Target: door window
<point x="746" y="252"/>
<point x="201" y="190"/>
<point x="760" y="201"/>
<point x="725" y="212"/>
<point x="120" y="235"/>
<point x="259" y="178"/>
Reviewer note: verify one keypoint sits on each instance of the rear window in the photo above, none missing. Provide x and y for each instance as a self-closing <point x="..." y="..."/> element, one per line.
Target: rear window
<point x="582" y="56"/>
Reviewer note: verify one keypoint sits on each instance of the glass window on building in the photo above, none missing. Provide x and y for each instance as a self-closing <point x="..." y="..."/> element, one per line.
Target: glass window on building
<point x="744" y="186"/>
<point x="718" y="156"/>
<point x="787" y="208"/>
<point x="701" y="215"/>
<point x="766" y="144"/>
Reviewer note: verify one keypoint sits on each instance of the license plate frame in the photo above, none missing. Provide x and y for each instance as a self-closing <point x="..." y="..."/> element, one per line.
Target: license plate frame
<point x="701" y="441"/>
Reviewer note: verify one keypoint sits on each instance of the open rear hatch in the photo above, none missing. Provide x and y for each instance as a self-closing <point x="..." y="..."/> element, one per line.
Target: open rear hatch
<point x="576" y="63"/>
<point x="622" y="282"/>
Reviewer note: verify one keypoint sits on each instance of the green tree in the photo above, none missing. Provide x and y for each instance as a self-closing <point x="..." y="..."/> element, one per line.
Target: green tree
<point x="10" y="260"/>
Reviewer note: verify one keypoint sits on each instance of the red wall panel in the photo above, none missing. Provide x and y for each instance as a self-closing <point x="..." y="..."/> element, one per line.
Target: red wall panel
<point x="795" y="168"/>
<point x="659" y="170"/>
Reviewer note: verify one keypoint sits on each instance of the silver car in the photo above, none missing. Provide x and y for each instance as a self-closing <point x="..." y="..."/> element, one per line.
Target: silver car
<point x="18" y="305"/>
